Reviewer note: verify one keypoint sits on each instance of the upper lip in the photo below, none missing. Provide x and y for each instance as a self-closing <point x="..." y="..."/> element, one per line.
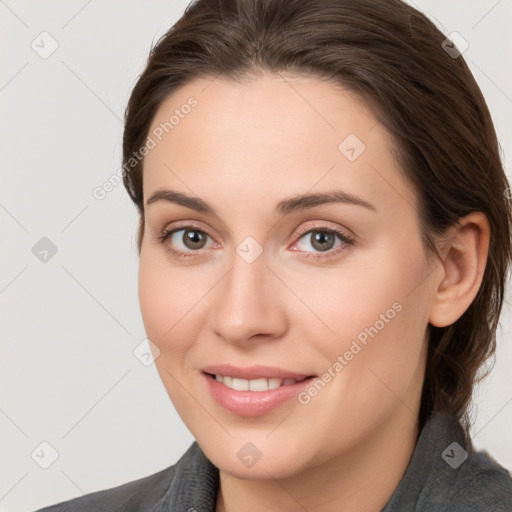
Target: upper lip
<point x="254" y="372"/>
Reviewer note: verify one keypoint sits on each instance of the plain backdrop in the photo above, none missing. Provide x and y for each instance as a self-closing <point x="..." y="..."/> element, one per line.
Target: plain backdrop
<point x="70" y="318"/>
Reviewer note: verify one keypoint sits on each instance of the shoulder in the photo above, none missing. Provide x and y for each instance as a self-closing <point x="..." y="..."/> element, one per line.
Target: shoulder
<point x="446" y="474"/>
<point x="462" y="479"/>
<point x="147" y="493"/>
<point x="480" y="484"/>
<point x="139" y="494"/>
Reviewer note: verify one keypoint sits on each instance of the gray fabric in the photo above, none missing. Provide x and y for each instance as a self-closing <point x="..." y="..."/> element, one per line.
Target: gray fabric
<point x="430" y="483"/>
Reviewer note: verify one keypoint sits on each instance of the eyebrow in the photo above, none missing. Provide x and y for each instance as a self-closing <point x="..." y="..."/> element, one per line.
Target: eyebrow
<point x="284" y="207"/>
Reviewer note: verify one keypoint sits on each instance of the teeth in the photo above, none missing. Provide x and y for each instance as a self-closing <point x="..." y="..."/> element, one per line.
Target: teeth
<point x="240" y="384"/>
<point x="258" y="384"/>
<point x="253" y="384"/>
<point x="274" y="383"/>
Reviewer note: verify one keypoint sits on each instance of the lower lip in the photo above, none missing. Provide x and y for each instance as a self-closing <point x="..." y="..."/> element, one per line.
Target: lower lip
<point x="253" y="403"/>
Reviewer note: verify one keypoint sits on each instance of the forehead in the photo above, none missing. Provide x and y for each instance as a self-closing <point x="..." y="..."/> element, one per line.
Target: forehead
<point x="274" y="135"/>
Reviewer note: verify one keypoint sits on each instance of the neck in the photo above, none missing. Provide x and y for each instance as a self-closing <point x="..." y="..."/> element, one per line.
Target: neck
<point x="362" y="479"/>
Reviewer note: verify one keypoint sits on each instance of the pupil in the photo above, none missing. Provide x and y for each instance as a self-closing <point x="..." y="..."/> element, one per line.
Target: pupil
<point x="320" y="238"/>
<point x="194" y="237"/>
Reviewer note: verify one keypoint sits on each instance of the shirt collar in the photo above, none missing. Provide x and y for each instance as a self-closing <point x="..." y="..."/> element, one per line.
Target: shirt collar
<point x="440" y="441"/>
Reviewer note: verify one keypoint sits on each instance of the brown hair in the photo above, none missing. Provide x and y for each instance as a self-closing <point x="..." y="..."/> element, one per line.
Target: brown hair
<point x="393" y="57"/>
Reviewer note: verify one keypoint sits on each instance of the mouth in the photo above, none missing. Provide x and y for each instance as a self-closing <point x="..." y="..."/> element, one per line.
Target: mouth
<point x="257" y="385"/>
<point x="253" y="391"/>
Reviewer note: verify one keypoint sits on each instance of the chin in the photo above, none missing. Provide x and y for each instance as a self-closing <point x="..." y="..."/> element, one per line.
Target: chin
<point x="254" y="457"/>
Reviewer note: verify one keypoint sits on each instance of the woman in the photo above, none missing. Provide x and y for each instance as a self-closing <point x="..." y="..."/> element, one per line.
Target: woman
<point x="324" y="238"/>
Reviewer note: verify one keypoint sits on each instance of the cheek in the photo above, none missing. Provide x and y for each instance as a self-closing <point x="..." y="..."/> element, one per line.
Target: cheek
<point x="163" y="299"/>
<point x="153" y="300"/>
<point x="374" y="300"/>
<point x="166" y="307"/>
<point x="359" y="301"/>
<point x="379" y="317"/>
<point x="173" y="301"/>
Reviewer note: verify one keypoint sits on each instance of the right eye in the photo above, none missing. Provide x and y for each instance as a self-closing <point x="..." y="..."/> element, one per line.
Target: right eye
<point x="187" y="239"/>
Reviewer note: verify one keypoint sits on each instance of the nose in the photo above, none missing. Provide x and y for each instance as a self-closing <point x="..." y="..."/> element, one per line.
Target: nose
<point x="248" y="304"/>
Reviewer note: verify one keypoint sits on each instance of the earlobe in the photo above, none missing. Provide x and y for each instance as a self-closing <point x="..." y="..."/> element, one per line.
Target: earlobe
<point x="464" y="258"/>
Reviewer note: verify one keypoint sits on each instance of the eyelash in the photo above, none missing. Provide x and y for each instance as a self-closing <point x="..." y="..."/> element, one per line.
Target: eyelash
<point x="347" y="240"/>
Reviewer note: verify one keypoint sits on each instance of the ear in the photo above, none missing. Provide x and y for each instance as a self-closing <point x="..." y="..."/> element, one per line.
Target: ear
<point x="464" y="256"/>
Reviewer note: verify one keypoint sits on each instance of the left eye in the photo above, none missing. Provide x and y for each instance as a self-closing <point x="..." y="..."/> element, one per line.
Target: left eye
<point x="322" y="240"/>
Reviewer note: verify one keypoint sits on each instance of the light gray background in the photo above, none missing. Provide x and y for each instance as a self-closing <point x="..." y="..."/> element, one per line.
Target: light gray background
<point x="69" y="326"/>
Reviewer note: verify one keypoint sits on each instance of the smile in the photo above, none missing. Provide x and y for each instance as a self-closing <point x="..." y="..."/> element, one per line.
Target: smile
<point x="261" y="384"/>
<point x="254" y="391"/>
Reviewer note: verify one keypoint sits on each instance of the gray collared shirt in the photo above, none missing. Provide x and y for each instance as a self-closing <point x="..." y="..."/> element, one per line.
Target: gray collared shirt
<point x="444" y="475"/>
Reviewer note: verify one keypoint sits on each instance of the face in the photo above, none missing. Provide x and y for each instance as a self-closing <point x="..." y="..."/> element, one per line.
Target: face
<point x="312" y="313"/>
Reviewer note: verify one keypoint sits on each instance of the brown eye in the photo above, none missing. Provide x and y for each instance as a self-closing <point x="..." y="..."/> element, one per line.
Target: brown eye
<point x="183" y="242"/>
<point x="322" y="240"/>
<point x="193" y="238"/>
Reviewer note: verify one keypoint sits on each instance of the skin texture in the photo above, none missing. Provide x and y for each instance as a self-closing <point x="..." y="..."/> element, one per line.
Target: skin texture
<point x="242" y="149"/>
